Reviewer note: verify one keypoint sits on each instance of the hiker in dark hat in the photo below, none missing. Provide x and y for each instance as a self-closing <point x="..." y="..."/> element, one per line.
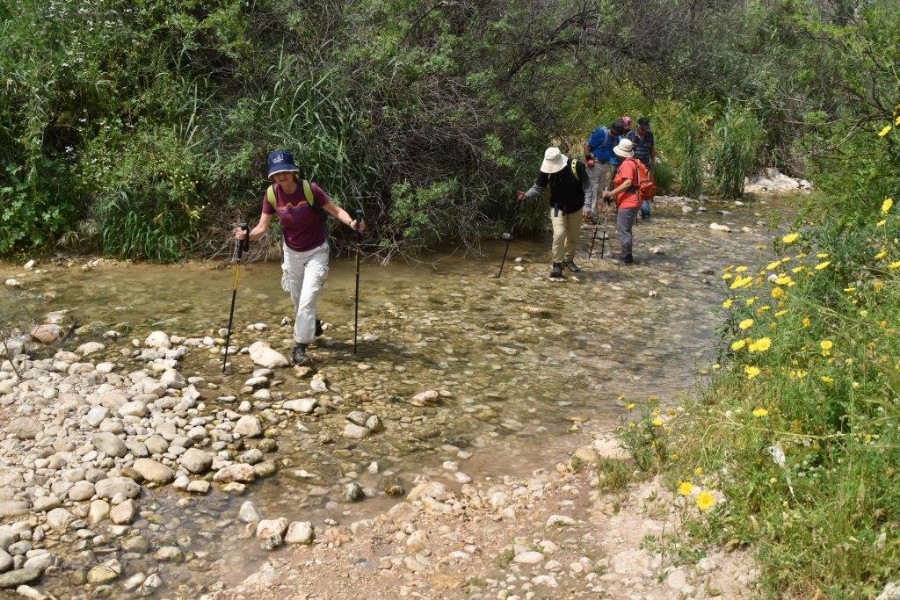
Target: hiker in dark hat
<point x="570" y="189"/>
<point x="644" y="151"/>
<point x="627" y="199"/>
<point x="300" y="206"/>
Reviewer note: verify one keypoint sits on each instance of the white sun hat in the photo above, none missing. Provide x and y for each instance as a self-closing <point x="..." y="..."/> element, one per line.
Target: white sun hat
<point x="625" y="149"/>
<point x="554" y="160"/>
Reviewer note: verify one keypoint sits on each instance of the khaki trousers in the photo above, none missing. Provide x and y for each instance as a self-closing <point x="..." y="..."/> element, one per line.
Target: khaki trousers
<point x="565" y="234"/>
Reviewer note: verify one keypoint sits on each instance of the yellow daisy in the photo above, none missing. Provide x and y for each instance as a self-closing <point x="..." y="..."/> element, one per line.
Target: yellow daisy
<point x="705" y="501"/>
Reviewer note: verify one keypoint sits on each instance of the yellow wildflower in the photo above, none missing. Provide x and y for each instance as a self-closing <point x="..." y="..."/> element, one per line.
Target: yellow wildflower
<point x="784" y="280"/>
<point x="777" y="293"/>
<point x="738" y="345"/>
<point x="630" y="405"/>
<point x="746" y="324"/>
<point x="823" y="265"/>
<point x="698" y="471"/>
<point x="805" y="322"/>
<point x="822" y="255"/>
<point x="727" y="276"/>
<point x="740" y="269"/>
<point x="741" y="282"/>
<point x="685" y="488"/>
<point x="850" y="289"/>
<point x="799" y="269"/>
<point x="750" y="301"/>
<point x="705" y="501"/>
<point x="878" y="285"/>
<point x="781" y="313"/>
<point x="885" y="130"/>
<point x="826" y="379"/>
<point x="657" y="422"/>
<point x="763" y="309"/>
<point x="826" y="346"/>
<point x="790" y="238"/>
<point x="880" y="223"/>
<point x="751" y="371"/>
<point x="727" y="303"/>
<point x="894" y="265"/>
<point x="881" y="254"/>
<point x="773" y="265"/>
<point x="760" y="345"/>
<point x="760" y="412"/>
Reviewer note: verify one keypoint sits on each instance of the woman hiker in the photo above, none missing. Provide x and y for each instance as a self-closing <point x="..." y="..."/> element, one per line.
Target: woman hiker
<point x="570" y="191"/>
<point x="299" y="206"/>
<point x="627" y="199"/>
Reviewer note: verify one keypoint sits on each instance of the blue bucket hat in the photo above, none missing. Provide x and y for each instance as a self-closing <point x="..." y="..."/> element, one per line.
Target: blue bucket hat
<point x="281" y="161"/>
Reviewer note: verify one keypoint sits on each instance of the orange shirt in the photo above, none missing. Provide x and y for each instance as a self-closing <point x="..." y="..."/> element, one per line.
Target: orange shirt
<point x="629" y="198"/>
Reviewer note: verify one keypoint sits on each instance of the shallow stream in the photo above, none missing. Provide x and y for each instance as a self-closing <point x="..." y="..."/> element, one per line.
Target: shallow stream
<point x="519" y="360"/>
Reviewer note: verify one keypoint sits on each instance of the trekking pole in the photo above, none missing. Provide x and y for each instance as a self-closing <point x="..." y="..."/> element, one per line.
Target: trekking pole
<point x="242" y="245"/>
<point x="359" y="218"/>
<point x="508" y="237"/>
<point x="594" y="239"/>
<point x="603" y="241"/>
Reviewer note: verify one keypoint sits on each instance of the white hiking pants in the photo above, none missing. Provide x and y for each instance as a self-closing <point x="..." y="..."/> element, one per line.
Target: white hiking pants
<point x="302" y="276"/>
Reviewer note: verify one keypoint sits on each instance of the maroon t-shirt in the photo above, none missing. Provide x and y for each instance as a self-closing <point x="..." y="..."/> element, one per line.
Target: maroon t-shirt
<point x="303" y="225"/>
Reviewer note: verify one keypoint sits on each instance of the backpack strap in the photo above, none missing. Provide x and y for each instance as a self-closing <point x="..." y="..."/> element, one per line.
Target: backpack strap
<point x="307" y="193"/>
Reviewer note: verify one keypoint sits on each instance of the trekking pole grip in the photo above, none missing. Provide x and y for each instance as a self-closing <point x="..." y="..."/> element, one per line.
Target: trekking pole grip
<point x="244" y="244"/>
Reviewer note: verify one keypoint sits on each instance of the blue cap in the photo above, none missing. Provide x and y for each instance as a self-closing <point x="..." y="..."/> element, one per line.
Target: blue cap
<point x="281" y="161"/>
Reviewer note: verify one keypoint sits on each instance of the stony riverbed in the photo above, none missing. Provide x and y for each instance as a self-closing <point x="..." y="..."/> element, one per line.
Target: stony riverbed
<point x="131" y="465"/>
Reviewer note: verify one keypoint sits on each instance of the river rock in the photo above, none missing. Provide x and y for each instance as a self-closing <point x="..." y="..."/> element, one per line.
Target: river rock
<point x="717" y="227"/>
<point x="240" y="472"/>
<point x="423" y="398"/>
<point x="429" y="489"/>
<point x="196" y="461"/>
<point x="248" y="513"/>
<point x="173" y="379"/>
<point x="156" y="444"/>
<point x="6" y="561"/>
<point x="90" y="348"/>
<point x="81" y="490"/>
<point x="109" y="444"/>
<point x="24" y="428"/>
<point x="113" y="400"/>
<point x="263" y="355"/>
<point x="104" y="573"/>
<point x="19" y="577"/>
<point x="48" y="333"/>
<point x="96" y="415"/>
<point x="529" y="558"/>
<point x="59" y="519"/>
<point x="356" y="432"/>
<point x="12" y="508"/>
<point x="124" y="513"/>
<point x="169" y="554"/>
<point x="134" y="408"/>
<point x="299" y="532"/>
<point x="154" y="471"/>
<point x="98" y="512"/>
<point x="248" y="426"/>
<point x="116" y="486"/>
<point x="302" y="405"/>
<point x="271" y="527"/>
<point x="159" y="340"/>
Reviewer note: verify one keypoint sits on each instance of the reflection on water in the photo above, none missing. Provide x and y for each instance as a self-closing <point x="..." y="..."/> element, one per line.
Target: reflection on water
<point x="519" y="359"/>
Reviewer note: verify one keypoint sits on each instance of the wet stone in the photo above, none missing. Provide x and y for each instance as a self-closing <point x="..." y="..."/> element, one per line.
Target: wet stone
<point x="19" y="577"/>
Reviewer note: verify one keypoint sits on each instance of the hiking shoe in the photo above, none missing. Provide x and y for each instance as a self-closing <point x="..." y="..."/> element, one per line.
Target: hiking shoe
<point x="298" y="356"/>
<point x="570" y="265"/>
<point x="556" y="271"/>
<point x="319" y="330"/>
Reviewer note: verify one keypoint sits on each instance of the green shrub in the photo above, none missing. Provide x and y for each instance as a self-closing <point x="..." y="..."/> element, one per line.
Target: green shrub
<point x="733" y="151"/>
<point x="690" y="173"/>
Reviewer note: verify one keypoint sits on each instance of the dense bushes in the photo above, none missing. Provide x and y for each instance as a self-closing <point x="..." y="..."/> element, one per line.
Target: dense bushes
<point x="427" y="116"/>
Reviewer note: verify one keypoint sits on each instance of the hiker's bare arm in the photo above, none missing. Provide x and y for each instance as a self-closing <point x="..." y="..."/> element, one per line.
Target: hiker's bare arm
<point x="622" y="187"/>
<point x="344" y="217"/>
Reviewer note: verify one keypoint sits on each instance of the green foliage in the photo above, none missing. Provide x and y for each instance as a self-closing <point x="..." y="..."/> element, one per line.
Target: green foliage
<point x="690" y="177"/>
<point x="797" y="429"/>
<point x="664" y="177"/>
<point x="734" y="149"/>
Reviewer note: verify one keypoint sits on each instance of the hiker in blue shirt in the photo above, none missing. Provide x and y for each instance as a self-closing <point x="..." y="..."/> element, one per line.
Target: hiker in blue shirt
<point x="644" y="151"/>
<point x="600" y="145"/>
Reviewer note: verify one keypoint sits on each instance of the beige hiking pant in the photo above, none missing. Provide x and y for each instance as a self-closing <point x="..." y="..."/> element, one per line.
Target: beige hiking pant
<point x="565" y="234"/>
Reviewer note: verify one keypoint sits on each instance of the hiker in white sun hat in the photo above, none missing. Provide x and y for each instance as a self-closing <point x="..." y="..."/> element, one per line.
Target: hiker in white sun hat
<point x="627" y="198"/>
<point x="570" y="188"/>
